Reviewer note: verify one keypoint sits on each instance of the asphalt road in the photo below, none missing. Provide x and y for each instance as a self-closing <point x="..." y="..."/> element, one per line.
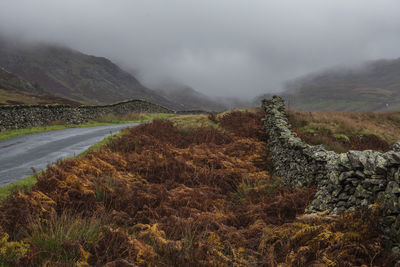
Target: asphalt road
<point x="18" y="155"/>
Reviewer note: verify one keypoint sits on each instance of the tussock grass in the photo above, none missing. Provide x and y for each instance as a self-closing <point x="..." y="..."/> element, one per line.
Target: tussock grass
<point x="63" y="238"/>
<point x="189" y="123"/>
<point x="219" y="116"/>
<point x="342" y="131"/>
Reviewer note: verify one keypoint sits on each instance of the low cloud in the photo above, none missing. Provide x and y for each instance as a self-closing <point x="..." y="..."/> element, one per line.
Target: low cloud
<point x="238" y="48"/>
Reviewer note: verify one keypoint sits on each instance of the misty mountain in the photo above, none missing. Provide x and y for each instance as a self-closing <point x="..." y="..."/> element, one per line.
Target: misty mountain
<point x="64" y="72"/>
<point x="15" y="90"/>
<point x="11" y="82"/>
<point x="189" y="99"/>
<point x="373" y="86"/>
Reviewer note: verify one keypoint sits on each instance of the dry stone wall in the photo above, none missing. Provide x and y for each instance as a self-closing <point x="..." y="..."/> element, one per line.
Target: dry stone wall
<point x="345" y="181"/>
<point x="17" y="117"/>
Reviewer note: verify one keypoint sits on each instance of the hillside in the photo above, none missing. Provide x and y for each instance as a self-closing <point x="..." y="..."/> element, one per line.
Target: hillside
<point x="67" y="73"/>
<point x="173" y="193"/>
<point x="16" y="91"/>
<point x="189" y="99"/>
<point x="375" y="86"/>
<point x="344" y="131"/>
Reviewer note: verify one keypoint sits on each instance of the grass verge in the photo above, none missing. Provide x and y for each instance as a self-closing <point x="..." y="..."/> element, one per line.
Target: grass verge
<point x="7" y="189"/>
<point x="28" y="182"/>
<point x="102" y="121"/>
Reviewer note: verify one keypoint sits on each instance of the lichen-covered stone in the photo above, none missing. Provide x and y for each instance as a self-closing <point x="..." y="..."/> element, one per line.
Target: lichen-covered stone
<point x="396" y="147"/>
<point x="345" y="181"/>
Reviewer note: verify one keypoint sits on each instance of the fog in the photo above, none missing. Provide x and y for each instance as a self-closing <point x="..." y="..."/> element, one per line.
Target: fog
<point x="228" y="48"/>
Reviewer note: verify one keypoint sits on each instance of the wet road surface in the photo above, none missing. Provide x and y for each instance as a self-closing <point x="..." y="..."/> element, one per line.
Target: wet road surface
<point x="18" y="155"/>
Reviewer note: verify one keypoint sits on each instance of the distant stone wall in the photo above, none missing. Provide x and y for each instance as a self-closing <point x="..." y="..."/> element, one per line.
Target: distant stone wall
<point x="17" y="117"/>
<point x="345" y="181"/>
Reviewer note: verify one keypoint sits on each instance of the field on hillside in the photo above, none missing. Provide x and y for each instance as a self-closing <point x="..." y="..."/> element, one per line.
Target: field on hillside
<point x="10" y="97"/>
<point x="343" y="131"/>
<point x="190" y="191"/>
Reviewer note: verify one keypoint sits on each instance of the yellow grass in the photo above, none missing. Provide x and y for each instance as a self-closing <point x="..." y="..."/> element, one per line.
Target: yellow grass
<point x="192" y="122"/>
<point x="385" y="125"/>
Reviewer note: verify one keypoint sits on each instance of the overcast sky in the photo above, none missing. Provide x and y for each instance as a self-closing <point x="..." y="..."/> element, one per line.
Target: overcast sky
<point x="219" y="47"/>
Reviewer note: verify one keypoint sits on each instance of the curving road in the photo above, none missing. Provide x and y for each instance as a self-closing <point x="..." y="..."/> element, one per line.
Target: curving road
<point x="18" y="155"/>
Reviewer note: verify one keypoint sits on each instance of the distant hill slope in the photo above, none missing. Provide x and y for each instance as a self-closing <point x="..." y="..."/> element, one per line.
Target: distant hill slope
<point x="68" y="73"/>
<point x="16" y="91"/>
<point x="373" y="87"/>
<point x="190" y="99"/>
<point x="10" y="81"/>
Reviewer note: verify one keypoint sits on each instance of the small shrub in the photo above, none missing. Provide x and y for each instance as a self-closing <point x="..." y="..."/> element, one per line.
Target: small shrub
<point x="245" y="124"/>
<point x="11" y="251"/>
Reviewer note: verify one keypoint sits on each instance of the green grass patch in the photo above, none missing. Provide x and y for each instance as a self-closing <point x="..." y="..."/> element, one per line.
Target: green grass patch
<point x="188" y="123"/>
<point x="24" y="183"/>
<point x="341" y="137"/>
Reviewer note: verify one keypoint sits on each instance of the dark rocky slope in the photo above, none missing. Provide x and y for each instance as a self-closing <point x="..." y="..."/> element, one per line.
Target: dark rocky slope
<point x="67" y="73"/>
<point x="16" y="91"/>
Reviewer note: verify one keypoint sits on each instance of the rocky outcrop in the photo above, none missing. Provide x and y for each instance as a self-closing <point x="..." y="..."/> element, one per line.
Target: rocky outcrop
<point x="345" y="181"/>
<point x="17" y="117"/>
